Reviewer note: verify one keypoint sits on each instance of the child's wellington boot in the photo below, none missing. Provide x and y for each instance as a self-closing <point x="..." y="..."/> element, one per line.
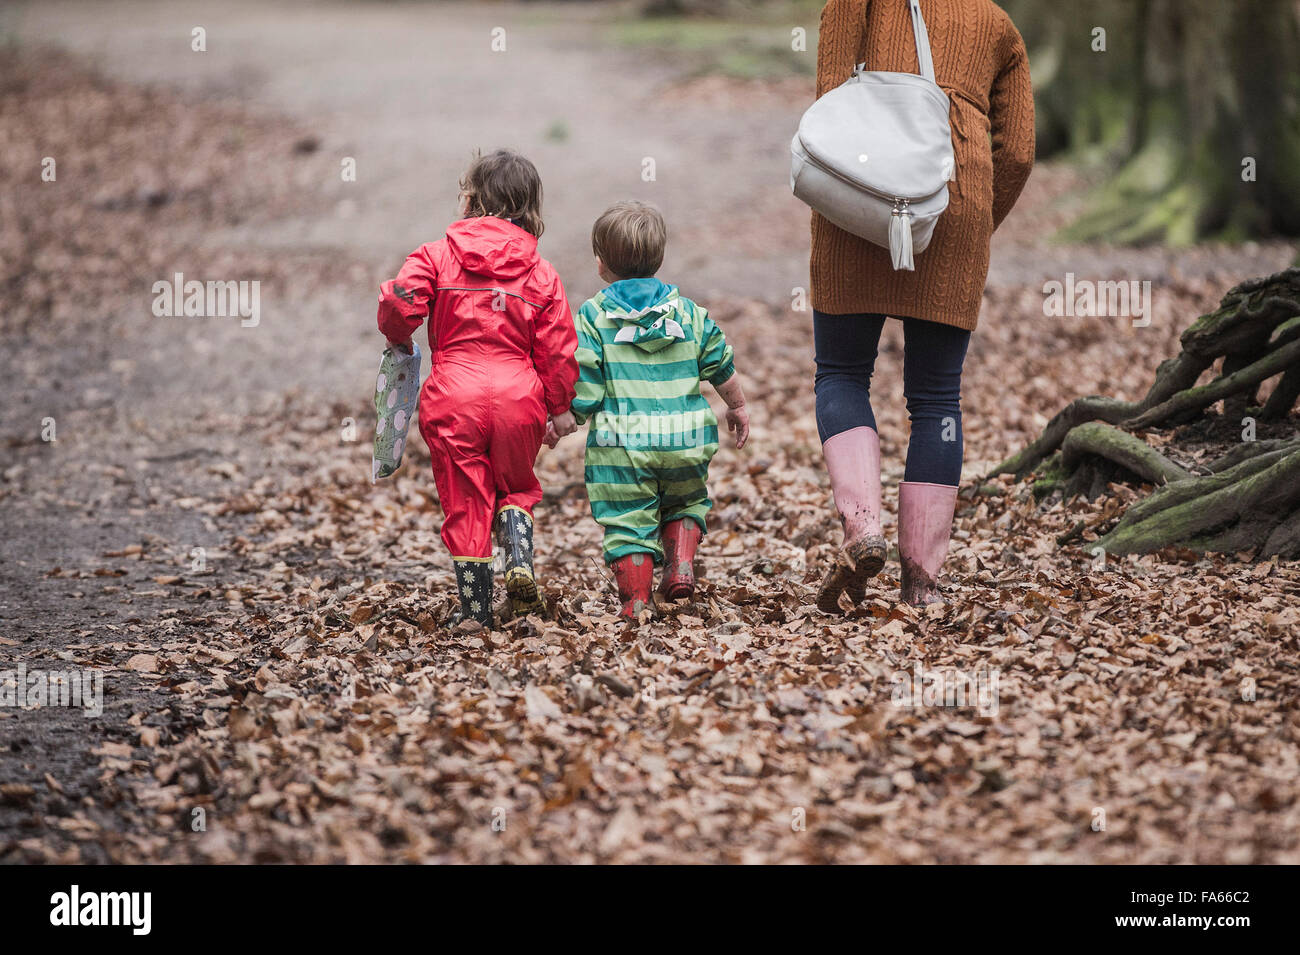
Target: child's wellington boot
<point x="474" y="585"/>
<point x="515" y="535"/>
<point x="634" y="575"/>
<point x="679" y="539"/>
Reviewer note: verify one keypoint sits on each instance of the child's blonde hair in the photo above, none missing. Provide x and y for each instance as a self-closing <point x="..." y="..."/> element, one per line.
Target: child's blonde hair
<point x="506" y="185"/>
<point x="629" y="237"/>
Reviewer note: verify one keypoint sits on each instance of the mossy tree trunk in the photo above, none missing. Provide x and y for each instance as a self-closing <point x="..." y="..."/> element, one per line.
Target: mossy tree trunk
<point x="1185" y="93"/>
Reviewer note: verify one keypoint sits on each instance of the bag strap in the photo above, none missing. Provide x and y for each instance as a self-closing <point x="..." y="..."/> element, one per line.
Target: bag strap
<point x="920" y="35"/>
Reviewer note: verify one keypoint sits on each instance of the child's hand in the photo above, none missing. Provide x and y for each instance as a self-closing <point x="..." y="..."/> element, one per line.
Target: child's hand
<point x="564" y="424"/>
<point x="551" y="439"/>
<point x="738" y="423"/>
<point x="737" y="416"/>
<point x="405" y="346"/>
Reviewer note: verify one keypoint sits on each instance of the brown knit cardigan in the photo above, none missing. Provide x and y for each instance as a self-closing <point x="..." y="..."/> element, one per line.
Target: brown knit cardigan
<point x="980" y="61"/>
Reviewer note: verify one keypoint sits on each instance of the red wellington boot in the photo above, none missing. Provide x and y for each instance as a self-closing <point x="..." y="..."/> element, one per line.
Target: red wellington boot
<point x="634" y="575"/>
<point x="680" y="538"/>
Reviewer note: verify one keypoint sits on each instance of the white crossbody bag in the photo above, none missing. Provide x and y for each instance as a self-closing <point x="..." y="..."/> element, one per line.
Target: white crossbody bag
<point x="874" y="155"/>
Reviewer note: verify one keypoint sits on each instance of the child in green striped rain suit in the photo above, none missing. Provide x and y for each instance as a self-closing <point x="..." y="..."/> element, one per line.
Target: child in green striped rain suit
<point x="643" y="350"/>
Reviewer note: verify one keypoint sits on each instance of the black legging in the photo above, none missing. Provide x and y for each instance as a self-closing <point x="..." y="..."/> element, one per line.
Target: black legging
<point x="933" y="354"/>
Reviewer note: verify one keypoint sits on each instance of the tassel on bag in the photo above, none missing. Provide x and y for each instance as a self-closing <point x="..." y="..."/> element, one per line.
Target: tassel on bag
<point x="900" y="240"/>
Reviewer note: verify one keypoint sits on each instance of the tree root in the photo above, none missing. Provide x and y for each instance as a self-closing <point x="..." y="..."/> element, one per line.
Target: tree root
<point x="1284" y="396"/>
<point x="1251" y="498"/>
<point x="1196" y="400"/>
<point x="1248" y="315"/>
<point x="1092" y="408"/>
<point x="1250" y="449"/>
<point x="1259" y="511"/>
<point x="1129" y="452"/>
<point x="1180" y="492"/>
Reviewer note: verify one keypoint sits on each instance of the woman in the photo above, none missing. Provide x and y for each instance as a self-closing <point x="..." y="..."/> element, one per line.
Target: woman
<point x="980" y="62"/>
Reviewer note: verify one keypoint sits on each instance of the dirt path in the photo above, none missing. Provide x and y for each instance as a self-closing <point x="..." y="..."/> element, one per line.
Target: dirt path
<point x="407" y="89"/>
<point x="181" y="438"/>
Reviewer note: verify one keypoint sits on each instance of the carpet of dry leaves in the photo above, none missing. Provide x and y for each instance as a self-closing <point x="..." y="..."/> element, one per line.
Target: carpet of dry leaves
<point x="322" y="714"/>
<point x="306" y="698"/>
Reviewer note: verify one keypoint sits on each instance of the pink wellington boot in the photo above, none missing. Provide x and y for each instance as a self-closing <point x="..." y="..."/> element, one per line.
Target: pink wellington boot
<point x="924" y="529"/>
<point x="853" y="460"/>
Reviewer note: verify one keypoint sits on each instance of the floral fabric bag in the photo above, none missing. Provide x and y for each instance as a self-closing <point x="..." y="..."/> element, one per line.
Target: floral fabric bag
<point x="397" y="393"/>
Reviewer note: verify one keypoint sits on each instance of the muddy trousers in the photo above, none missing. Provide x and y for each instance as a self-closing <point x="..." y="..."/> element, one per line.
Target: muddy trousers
<point x="933" y="355"/>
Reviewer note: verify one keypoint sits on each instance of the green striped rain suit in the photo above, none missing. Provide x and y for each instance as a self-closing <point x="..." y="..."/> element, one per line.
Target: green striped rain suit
<point x="643" y="350"/>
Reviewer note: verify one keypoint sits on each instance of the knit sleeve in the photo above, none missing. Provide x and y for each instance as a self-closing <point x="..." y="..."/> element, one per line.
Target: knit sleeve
<point x="1011" y="118"/>
<point x="839" y="41"/>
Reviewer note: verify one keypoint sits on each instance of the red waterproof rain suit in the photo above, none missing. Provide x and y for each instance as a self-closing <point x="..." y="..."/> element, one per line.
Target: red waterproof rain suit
<point x="502" y="341"/>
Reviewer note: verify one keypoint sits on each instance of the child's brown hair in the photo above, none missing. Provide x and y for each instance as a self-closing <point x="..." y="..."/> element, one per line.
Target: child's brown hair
<point x="506" y="185"/>
<point x="629" y="238"/>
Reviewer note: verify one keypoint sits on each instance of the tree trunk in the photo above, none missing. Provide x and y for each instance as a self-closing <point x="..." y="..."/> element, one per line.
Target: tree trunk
<point x="1194" y="106"/>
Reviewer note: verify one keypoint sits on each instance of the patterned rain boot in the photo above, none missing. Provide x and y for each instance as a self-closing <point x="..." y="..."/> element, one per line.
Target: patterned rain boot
<point x="634" y="575"/>
<point x="679" y="538"/>
<point x="853" y="461"/>
<point x="924" y="529"/>
<point x="515" y="535"/>
<point x="474" y="584"/>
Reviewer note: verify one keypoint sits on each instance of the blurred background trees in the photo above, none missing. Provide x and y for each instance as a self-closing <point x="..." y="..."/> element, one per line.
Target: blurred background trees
<point x="1186" y="111"/>
<point x="1193" y="106"/>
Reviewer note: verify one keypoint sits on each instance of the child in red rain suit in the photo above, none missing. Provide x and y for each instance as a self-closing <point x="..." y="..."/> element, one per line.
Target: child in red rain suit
<point x="502" y="341"/>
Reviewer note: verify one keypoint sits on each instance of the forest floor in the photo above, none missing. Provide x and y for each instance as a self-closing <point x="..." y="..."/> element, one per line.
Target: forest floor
<point x="203" y="530"/>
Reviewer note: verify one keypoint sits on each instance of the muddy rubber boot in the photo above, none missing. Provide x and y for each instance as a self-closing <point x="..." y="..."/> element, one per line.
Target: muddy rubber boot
<point x="853" y="462"/>
<point x="924" y="529"/>
<point x="515" y="535"/>
<point x="474" y="586"/>
<point x="634" y="575"/>
<point x="679" y="538"/>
